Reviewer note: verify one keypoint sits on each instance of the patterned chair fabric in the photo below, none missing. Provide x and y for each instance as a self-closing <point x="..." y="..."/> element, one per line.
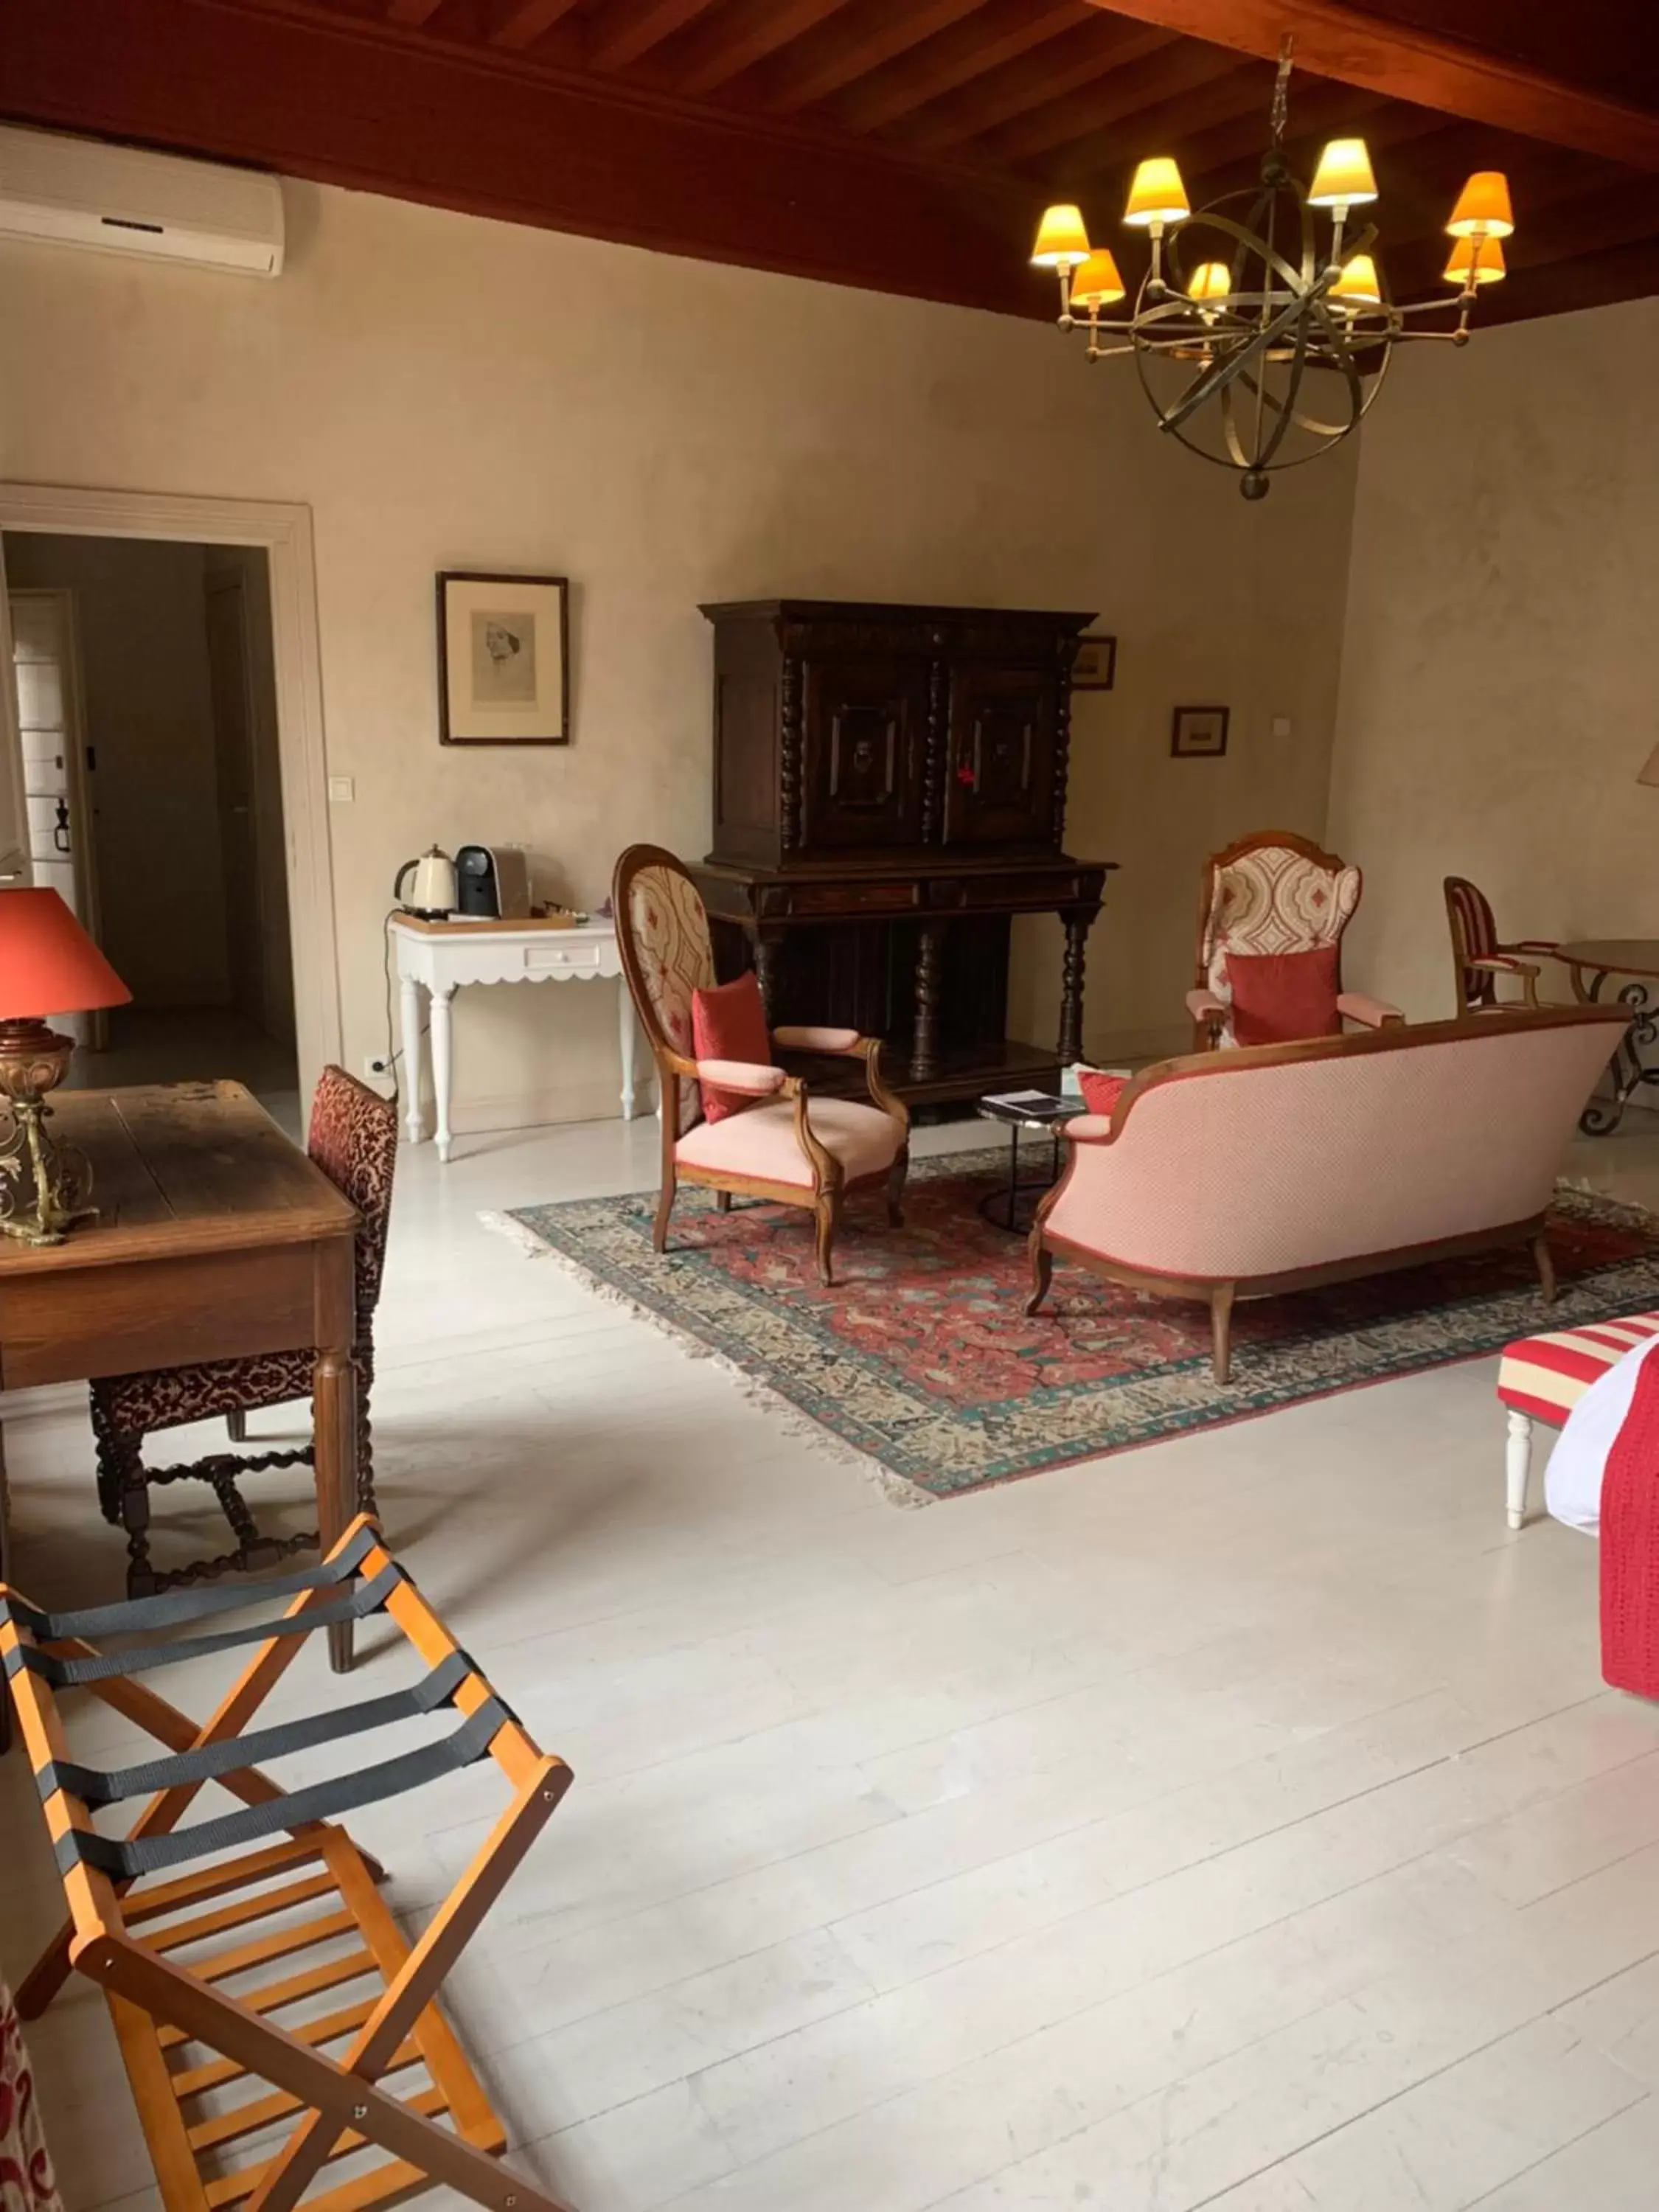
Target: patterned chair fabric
<point x="25" y="2177"/>
<point x="353" y="1138"/>
<point x="669" y="926"/>
<point x="1273" y="899"/>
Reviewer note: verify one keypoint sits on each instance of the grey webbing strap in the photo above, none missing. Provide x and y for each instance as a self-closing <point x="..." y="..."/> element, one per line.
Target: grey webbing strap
<point x="123" y="1860"/>
<point x="134" y="1614"/>
<point x="94" y="1786"/>
<point x="105" y="1666"/>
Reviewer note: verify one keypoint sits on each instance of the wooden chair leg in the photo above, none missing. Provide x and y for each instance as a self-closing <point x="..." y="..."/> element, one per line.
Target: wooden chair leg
<point x="1221" y="1330"/>
<point x="1042" y="1270"/>
<point x="896" y="1174"/>
<point x="109" y="1464"/>
<point x="665" y="1208"/>
<point x="723" y="1201"/>
<point x="366" y="1500"/>
<point x="1517" y="1466"/>
<point x="134" y="1517"/>
<point x="236" y="1427"/>
<point x="824" y="1213"/>
<point x="1544" y="1262"/>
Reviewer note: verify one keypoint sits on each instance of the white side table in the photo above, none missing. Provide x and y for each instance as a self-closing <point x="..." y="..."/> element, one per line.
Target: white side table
<point x="440" y="956"/>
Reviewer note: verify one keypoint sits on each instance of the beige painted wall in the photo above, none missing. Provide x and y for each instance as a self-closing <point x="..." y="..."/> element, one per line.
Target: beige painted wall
<point x="1500" y="677"/>
<point x="448" y="392"/>
<point x="144" y="653"/>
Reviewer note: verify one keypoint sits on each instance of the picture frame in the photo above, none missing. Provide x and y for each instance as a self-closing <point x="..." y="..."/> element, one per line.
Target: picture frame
<point x="1095" y="667"/>
<point x="1198" y="732"/>
<point x="503" y="659"/>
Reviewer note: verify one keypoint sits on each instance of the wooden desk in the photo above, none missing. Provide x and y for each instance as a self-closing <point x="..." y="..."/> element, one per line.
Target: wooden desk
<point x="216" y="1239"/>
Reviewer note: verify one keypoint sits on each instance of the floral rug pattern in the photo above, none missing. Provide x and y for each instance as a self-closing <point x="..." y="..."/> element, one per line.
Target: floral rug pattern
<point x="920" y="1358"/>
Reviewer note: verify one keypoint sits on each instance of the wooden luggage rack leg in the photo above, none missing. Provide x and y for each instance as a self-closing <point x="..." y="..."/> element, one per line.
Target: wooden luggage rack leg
<point x="126" y="1931"/>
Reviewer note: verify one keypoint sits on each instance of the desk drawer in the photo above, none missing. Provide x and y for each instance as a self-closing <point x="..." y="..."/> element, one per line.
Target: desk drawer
<point x="555" y="959"/>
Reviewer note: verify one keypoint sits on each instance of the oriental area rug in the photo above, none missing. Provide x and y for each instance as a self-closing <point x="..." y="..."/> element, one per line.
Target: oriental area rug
<point x="921" y="1364"/>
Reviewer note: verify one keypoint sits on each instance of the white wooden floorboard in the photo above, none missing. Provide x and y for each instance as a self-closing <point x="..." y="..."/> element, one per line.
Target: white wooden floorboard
<point x="1240" y="1822"/>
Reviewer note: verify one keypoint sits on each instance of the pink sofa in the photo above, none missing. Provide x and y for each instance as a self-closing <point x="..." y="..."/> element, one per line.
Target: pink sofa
<point x="1239" y="1173"/>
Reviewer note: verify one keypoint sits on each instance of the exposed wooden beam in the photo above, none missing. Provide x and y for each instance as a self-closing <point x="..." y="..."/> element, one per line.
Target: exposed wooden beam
<point x="1083" y="58"/>
<point x="1222" y="164"/>
<point x="416" y="12"/>
<point x="997" y="36"/>
<point x="744" y="34"/>
<point x="526" y="21"/>
<point x="623" y="32"/>
<point x="343" y="101"/>
<point x="1158" y="78"/>
<point x="872" y="33"/>
<point x="1334" y="40"/>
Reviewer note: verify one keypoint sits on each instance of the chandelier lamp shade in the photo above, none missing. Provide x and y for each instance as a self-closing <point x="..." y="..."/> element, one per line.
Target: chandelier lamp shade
<point x="48" y="965"/>
<point x="1264" y="324"/>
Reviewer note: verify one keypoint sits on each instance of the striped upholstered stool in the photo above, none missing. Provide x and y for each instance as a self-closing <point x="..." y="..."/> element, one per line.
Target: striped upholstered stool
<point x="1541" y="1378"/>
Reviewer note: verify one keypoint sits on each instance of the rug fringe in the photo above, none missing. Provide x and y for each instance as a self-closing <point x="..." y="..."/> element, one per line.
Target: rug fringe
<point x="895" y="1488"/>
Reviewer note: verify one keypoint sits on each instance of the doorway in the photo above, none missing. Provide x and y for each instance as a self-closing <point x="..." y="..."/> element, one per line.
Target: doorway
<point x="147" y="701"/>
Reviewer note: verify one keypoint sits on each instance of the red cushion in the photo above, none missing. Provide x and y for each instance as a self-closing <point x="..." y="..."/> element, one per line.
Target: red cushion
<point x="1281" y="996"/>
<point x="1101" y="1092"/>
<point x="729" y="1023"/>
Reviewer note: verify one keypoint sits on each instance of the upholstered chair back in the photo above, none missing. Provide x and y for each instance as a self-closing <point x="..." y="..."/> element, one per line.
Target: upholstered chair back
<point x="353" y="1138"/>
<point x="1475" y="937"/>
<point x="667" y="953"/>
<point x="1271" y="893"/>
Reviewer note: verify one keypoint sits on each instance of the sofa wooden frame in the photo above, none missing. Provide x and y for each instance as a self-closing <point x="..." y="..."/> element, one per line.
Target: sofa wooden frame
<point x="125" y="1935"/>
<point x="825" y="1196"/>
<point x="1221" y="1293"/>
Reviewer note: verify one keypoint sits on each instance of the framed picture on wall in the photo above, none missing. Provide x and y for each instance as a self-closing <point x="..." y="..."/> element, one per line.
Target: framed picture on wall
<point x="1199" y="733"/>
<point x="1095" y="666"/>
<point x="503" y="659"/>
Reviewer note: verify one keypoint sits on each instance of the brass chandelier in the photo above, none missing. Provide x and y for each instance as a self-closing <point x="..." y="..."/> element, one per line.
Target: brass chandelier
<point x="1259" y="346"/>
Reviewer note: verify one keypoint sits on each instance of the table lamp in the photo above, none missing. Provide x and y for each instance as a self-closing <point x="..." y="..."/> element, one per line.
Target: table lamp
<point x="48" y="965"/>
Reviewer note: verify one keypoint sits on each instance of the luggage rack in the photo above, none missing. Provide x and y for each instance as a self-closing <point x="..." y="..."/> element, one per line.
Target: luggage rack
<point x="304" y="1906"/>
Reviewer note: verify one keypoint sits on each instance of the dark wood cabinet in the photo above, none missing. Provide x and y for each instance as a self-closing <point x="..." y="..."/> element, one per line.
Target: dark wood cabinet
<point x="890" y="791"/>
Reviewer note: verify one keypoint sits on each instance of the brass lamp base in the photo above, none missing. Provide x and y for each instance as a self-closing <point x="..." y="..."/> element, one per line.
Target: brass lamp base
<point x="45" y="1183"/>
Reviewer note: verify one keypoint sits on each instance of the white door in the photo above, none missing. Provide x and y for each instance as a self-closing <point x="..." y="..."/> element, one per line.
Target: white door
<point x="14" y="834"/>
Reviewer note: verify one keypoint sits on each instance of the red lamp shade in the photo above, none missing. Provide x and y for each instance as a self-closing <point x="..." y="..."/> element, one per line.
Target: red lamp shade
<point x="48" y="964"/>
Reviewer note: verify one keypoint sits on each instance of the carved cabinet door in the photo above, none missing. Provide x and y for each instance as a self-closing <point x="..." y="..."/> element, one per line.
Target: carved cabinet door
<point x="999" y="757"/>
<point x="863" y="742"/>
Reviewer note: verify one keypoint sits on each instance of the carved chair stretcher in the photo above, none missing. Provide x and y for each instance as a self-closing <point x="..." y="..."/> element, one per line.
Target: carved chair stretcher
<point x="165" y="1950"/>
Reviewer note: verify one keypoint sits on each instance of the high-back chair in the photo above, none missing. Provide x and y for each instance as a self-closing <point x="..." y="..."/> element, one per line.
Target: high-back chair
<point x="784" y="1146"/>
<point x="1478" y="958"/>
<point x="1272" y="892"/>
<point x="353" y="1138"/>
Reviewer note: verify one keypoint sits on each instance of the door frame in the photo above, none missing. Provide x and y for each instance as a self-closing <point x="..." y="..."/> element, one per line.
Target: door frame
<point x="284" y="532"/>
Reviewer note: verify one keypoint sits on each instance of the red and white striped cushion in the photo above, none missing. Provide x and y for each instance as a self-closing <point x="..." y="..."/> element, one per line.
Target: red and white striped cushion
<point x="1546" y="1375"/>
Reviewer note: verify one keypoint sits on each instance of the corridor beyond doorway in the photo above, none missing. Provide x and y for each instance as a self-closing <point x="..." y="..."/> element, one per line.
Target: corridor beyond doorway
<point x="152" y="763"/>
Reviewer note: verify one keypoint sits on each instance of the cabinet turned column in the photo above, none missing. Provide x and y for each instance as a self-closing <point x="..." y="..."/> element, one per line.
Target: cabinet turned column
<point x="923" y="1047"/>
<point x="767" y="949"/>
<point x="1070" y="1047"/>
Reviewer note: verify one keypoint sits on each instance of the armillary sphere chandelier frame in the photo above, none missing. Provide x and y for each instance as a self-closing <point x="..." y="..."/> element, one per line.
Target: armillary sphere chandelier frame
<point x="1260" y="350"/>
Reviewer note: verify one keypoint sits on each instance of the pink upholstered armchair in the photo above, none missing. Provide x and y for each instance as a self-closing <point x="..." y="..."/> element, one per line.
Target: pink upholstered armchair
<point x="1272" y="892"/>
<point x="783" y="1146"/>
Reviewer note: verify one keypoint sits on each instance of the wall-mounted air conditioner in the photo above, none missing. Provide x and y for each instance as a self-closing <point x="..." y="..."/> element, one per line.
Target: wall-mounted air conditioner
<point x="77" y="192"/>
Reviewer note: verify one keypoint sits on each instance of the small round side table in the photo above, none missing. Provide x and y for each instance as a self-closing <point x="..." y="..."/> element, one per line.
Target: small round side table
<point x="1014" y="1206"/>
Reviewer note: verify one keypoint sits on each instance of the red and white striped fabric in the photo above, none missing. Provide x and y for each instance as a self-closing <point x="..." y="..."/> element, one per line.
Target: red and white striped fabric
<point x="1545" y="1376"/>
<point x="1630" y="1544"/>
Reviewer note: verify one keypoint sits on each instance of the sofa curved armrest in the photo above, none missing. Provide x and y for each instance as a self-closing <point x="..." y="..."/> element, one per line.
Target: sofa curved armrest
<point x="1360" y="1006"/>
<point x="1088" y="1128"/>
<point x="795" y="1037"/>
<point x="746" y="1076"/>
<point x="1201" y="1004"/>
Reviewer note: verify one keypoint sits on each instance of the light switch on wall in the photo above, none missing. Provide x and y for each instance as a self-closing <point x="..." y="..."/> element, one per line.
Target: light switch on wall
<point x="341" y="790"/>
<point x="1281" y="726"/>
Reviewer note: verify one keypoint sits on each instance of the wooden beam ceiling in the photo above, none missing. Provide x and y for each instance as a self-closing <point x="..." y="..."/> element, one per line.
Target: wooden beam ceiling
<point x="524" y="21"/>
<point x="1093" y="52"/>
<point x="987" y="42"/>
<point x="625" y="31"/>
<point x="1407" y="62"/>
<point x="743" y="35"/>
<point x="872" y="33"/>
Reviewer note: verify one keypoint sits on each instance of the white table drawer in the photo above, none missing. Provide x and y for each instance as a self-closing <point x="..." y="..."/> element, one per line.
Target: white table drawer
<point x="555" y="959"/>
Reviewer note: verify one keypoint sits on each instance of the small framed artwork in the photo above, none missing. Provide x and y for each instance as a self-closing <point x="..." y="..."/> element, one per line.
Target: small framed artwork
<point x="1095" y="667"/>
<point x="1199" y="733"/>
<point x="503" y="659"/>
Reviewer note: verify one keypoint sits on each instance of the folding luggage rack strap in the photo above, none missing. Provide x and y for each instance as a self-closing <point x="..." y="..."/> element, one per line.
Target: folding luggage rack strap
<point x="306" y="1906"/>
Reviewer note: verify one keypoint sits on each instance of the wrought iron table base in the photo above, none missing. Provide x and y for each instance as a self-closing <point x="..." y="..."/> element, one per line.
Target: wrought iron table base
<point x="1014" y="1206"/>
<point x="1627" y="1069"/>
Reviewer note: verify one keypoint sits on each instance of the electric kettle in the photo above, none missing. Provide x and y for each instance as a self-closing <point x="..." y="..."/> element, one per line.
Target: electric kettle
<point x="431" y="897"/>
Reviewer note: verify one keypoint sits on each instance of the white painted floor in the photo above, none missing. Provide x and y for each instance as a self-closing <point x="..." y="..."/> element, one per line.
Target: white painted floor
<point x="1241" y="1823"/>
